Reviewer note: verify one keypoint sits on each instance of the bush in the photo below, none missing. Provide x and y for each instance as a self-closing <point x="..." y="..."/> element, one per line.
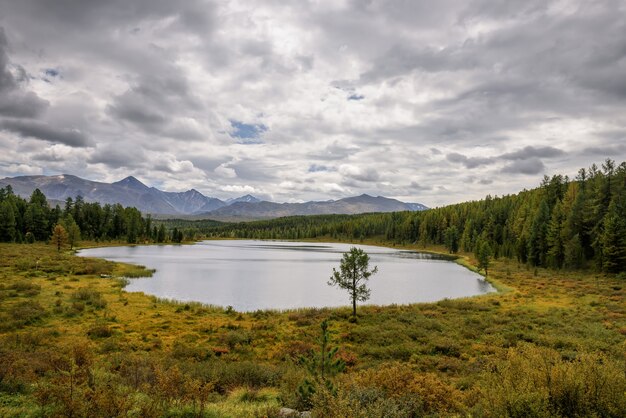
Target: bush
<point x="236" y="338"/>
<point x="184" y="350"/>
<point x="90" y="297"/>
<point x="26" y="287"/>
<point x="396" y="388"/>
<point x="28" y="312"/>
<point x="537" y="381"/>
<point x="100" y="331"/>
<point x="228" y="376"/>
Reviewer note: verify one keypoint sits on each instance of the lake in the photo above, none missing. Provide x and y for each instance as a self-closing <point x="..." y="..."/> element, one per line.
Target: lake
<point x="250" y="275"/>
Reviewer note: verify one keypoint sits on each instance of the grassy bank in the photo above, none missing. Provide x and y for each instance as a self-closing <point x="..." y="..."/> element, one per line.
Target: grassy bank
<point x="73" y="342"/>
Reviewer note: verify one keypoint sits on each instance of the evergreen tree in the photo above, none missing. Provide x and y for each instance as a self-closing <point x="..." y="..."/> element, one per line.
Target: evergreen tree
<point x="537" y="244"/>
<point x="7" y="222"/>
<point x="452" y="239"/>
<point x="467" y="239"/>
<point x="36" y="217"/>
<point x="148" y="232"/>
<point x="161" y="234"/>
<point x="322" y="368"/>
<point x="614" y="240"/>
<point x="554" y="237"/>
<point x="353" y="273"/>
<point x="484" y="256"/>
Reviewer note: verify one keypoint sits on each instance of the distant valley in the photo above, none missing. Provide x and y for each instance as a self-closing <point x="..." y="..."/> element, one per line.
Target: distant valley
<point x="192" y="203"/>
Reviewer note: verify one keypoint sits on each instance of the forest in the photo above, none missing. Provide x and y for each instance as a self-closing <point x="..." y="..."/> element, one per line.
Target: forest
<point x="563" y="223"/>
<point x="33" y="220"/>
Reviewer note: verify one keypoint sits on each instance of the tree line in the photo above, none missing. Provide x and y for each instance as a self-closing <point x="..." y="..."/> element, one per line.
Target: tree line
<point x="564" y="223"/>
<point x="33" y="219"/>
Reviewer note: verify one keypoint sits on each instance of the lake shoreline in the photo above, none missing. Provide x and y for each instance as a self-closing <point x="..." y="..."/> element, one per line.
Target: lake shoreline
<point x="433" y="285"/>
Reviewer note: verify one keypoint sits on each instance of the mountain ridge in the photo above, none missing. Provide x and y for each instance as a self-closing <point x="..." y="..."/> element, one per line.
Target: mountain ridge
<point x="132" y="192"/>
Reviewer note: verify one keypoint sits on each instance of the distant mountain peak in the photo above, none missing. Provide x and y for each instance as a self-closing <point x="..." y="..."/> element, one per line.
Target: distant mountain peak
<point x="246" y="199"/>
<point x="131" y="182"/>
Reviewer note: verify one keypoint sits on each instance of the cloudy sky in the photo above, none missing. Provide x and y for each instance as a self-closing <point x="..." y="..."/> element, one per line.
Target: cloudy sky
<point x="426" y="101"/>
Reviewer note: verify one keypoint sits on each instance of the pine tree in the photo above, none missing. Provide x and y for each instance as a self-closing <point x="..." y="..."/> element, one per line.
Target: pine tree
<point x="556" y="247"/>
<point x="484" y="256"/>
<point x="467" y="239"/>
<point x="537" y="244"/>
<point x="353" y="273"/>
<point x="161" y="233"/>
<point x="614" y="240"/>
<point x="7" y="222"/>
<point x="322" y="368"/>
<point x="452" y="239"/>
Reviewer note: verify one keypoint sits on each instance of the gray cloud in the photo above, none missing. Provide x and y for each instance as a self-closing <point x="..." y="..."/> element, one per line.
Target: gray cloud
<point x="532" y="152"/>
<point x="117" y="157"/>
<point x="525" y="161"/>
<point x="14" y="100"/>
<point x="41" y="130"/>
<point x="468" y="162"/>
<point x="531" y="166"/>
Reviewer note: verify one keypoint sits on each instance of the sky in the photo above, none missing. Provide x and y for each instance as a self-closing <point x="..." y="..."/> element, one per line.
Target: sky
<point x="434" y="102"/>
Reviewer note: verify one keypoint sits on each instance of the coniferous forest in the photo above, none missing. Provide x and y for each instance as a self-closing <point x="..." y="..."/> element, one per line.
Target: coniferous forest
<point x="23" y="220"/>
<point x="564" y="223"/>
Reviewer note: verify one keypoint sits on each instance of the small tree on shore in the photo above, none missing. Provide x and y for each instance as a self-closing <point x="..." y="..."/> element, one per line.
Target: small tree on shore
<point x="59" y="236"/>
<point x="352" y="275"/>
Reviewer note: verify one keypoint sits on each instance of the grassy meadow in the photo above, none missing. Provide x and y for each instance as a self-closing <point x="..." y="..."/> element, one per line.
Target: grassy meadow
<point x="74" y="343"/>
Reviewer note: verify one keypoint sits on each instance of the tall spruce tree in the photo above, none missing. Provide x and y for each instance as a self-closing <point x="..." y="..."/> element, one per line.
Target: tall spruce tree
<point x="8" y="232"/>
<point x="613" y="239"/>
<point x="537" y="244"/>
<point x="554" y="237"/>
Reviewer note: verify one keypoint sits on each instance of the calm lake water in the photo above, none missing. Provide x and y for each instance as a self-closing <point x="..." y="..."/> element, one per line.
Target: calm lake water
<point x="251" y="275"/>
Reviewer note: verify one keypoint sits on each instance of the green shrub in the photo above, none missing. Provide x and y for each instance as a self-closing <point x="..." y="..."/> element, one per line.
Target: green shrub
<point x="90" y="297"/>
<point x="27" y="312"/>
<point x="537" y="381"/>
<point x="100" y="331"/>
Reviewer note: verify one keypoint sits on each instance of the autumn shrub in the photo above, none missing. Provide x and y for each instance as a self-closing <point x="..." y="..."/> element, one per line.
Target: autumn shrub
<point x="25" y="287"/>
<point x="394" y="388"/>
<point x="27" y="312"/>
<point x="100" y="331"/>
<point x="537" y="381"/>
<point x="235" y="338"/>
<point x="246" y="394"/>
<point x="229" y="375"/>
<point x="90" y="297"/>
<point x="185" y="350"/>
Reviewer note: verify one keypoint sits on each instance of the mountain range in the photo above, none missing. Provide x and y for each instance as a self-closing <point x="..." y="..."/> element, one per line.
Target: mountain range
<point x="192" y="203"/>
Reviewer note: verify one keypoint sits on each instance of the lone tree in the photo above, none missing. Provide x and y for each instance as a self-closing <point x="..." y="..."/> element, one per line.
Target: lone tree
<point x="352" y="275"/>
